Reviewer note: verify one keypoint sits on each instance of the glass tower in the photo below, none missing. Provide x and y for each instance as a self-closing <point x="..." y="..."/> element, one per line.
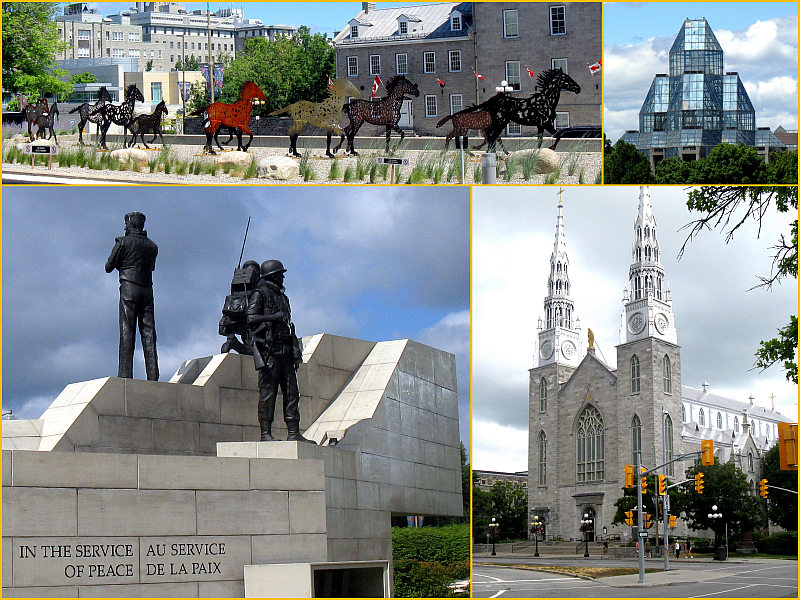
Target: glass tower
<point x="697" y="106"/>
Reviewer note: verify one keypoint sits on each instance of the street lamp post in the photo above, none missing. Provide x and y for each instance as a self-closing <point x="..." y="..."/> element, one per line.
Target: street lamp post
<point x="585" y="522"/>
<point x="535" y="526"/>
<point x="717" y="515"/>
<point x="493" y="529"/>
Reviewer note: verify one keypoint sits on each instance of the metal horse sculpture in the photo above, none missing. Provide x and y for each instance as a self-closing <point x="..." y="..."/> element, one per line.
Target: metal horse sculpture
<point x="324" y="114"/>
<point x="385" y="111"/>
<point x="464" y="121"/>
<point x="85" y="111"/>
<point x="538" y="110"/>
<point x="46" y="122"/>
<point x="151" y="123"/>
<point x="121" y="114"/>
<point x="33" y="112"/>
<point x="236" y="115"/>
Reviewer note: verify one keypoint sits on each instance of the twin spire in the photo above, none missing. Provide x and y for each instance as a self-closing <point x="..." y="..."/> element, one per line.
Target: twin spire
<point x="647" y="308"/>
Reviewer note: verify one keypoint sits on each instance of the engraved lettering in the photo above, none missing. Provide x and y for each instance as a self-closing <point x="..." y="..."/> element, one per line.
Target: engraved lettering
<point x="154" y="569"/>
<point x="156" y="550"/>
<point x="27" y="551"/>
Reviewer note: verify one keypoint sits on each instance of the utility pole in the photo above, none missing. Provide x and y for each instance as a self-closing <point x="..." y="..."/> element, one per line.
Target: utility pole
<point x="664" y="498"/>
<point x="640" y="515"/>
<point x="210" y="54"/>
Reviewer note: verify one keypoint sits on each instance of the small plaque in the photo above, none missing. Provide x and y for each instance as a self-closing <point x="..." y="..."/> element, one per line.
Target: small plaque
<point x="643" y="534"/>
<point x="390" y="160"/>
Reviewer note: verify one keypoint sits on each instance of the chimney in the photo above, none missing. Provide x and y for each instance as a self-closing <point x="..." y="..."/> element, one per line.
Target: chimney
<point x="367" y="7"/>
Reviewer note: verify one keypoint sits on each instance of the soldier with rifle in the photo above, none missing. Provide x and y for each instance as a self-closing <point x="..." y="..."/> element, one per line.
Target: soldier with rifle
<point x="277" y="352"/>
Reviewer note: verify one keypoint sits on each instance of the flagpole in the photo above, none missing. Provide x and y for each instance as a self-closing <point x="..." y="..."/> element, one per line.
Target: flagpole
<point x="210" y="56"/>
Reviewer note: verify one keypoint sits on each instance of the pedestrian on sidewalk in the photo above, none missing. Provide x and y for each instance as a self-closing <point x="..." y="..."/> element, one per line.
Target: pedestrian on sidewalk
<point x="605" y="548"/>
<point x="689" y="548"/>
<point x="677" y="549"/>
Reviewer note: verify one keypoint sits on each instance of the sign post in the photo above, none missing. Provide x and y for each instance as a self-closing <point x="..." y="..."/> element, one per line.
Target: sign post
<point x="393" y="161"/>
<point x="44" y="149"/>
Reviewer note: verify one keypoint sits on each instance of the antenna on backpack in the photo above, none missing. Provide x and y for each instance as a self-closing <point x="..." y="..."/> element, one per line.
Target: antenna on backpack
<point x="241" y="254"/>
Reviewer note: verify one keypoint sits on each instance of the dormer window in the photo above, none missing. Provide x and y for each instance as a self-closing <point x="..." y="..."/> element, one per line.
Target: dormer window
<point x="455" y="22"/>
<point x="402" y="27"/>
<point x="353" y="31"/>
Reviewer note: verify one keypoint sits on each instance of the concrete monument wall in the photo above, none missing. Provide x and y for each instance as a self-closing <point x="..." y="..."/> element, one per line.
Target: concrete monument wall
<point x="162" y="477"/>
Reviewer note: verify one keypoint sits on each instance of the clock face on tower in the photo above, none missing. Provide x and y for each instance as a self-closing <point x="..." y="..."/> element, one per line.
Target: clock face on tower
<point x="636" y="322"/>
<point x="568" y="349"/>
<point x="662" y="322"/>
<point x="546" y="351"/>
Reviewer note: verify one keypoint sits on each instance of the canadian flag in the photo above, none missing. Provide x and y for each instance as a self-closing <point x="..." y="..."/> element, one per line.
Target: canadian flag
<point x="596" y="67"/>
<point x="375" y="85"/>
<point x="330" y="82"/>
<point x="529" y="71"/>
<point x="478" y="75"/>
<point x="440" y="82"/>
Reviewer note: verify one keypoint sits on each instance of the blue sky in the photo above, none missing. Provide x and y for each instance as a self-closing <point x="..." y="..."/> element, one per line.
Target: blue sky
<point x="321" y="17"/>
<point x="759" y="40"/>
<point x="369" y="263"/>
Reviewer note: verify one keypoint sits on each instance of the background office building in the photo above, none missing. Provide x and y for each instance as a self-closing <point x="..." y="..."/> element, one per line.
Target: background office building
<point x="698" y="105"/>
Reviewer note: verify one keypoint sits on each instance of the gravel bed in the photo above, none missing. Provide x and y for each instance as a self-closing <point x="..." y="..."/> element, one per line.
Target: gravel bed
<point x="587" y="163"/>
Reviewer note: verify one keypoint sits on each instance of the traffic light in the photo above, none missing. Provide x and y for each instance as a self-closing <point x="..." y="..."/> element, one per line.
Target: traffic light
<point x="629" y="518"/>
<point x="629" y="476"/>
<point x="644" y="481"/>
<point x="648" y="521"/>
<point x="698" y="483"/>
<point x="707" y="448"/>
<point x="787" y="446"/>
<point x="762" y="488"/>
<point x="673" y="521"/>
<point x="662" y="485"/>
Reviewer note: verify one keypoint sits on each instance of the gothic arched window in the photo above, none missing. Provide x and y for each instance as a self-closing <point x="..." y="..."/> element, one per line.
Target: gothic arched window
<point x="542" y="394"/>
<point x="542" y="458"/>
<point x="590" y="446"/>
<point x="636" y="439"/>
<point x="668" y="440"/>
<point x="749" y="461"/>
<point x="736" y="424"/>
<point x="635" y="375"/>
<point x="719" y="420"/>
<point x="683" y="413"/>
<point x="667" y="375"/>
<point x="702" y="418"/>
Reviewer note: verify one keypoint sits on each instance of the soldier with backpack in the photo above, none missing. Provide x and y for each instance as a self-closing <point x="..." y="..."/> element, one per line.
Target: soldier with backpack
<point x="234" y="311"/>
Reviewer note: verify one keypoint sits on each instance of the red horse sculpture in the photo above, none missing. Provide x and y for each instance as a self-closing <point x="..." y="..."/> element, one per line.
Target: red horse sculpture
<point x="234" y="116"/>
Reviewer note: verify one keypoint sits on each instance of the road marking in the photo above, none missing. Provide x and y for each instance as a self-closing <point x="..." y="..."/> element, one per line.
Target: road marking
<point x="724" y="591"/>
<point x="487" y="576"/>
<point x="498" y="594"/>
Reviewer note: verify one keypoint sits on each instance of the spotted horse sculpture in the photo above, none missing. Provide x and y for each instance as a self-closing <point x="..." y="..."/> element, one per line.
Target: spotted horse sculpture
<point x="464" y="121"/>
<point x="234" y="116"/>
<point x="325" y="114"/>
<point x="120" y="114"/>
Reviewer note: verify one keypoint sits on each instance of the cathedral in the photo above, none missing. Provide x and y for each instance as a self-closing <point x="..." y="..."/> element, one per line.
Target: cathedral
<point x="587" y="420"/>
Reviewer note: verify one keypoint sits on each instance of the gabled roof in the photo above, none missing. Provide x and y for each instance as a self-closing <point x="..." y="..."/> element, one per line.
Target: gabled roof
<point x="702" y="397"/>
<point x="425" y="21"/>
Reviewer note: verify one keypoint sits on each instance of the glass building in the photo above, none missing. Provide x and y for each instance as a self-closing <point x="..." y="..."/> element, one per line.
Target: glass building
<point x="698" y="105"/>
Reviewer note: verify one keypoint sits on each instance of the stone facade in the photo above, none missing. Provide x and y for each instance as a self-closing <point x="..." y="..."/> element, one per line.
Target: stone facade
<point x="485" y="46"/>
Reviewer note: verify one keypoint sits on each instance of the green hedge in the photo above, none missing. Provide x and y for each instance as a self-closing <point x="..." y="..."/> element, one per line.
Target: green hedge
<point x="428" y="559"/>
<point x="448" y="544"/>
<point x="784" y="542"/>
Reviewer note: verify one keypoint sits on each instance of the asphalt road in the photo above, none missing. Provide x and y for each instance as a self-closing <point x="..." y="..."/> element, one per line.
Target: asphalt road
<point x="750" y="578"/>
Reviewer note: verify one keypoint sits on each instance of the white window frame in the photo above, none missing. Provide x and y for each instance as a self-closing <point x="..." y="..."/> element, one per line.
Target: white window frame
<point x="456" y="106"/>
<point x="352" y="66"/>
<point x="402" y="25"/>
<point x="133" y="53"/>
<point x="554" y="17"/>
<point x="134" y="37"/>
<point x="84" y="34"/>
<point x="353" y="31"/>
<point x="450" y="56"/>
<point x="84" y="52"/>
<point x="117" y="36"/>
<point x="509" y="79"/>
<point x="372" y="64"/>
<point x="513" y="129"/>
<point x="560" y="63"/>
<point x="506" y="23"/>
<point x="118" y="52"/>
<point x="560" y="124"/>
<point x="425" y="62"/>
<point x="397" y="68"/>
<point x="456" y="23"/>
<point x="435" y="112"/>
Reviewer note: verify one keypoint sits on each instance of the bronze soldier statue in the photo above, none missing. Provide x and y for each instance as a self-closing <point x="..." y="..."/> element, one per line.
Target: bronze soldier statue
<point x="234" y="311"/>
<point x="276" y="351"/>
<point x="134" y="256"/>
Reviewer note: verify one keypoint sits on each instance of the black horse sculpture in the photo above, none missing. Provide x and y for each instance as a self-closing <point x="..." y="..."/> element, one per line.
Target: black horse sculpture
<point x="46" y="122"/>
<point x="151" y="123"/>
<point x="88" y="112"/>
<point x="538" y="110"/>
<point x="121" y="114"/>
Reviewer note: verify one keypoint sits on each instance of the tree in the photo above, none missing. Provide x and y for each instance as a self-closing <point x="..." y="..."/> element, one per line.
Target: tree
<point x="30" y="44"/>
<point x="82" y="78"/>
<point x="782" y="167"/>
<point x="626" y="164"/>
<point x="148" y="66"/>
<point x="192" y="63"/>
<point x="287" y="69"/>
<point x="673" y="170"/>
<point x="781" y="506"/>
<point x="198" y="98"/>
<point x="727" y="488"/>
<point x="728" y="163"/>
<point x="626" y="502"/>
<point x="730" y="208"/>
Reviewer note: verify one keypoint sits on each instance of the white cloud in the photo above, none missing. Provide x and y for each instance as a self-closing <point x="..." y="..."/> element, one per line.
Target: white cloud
<point x="761" y="43"/>
<point x="498" y="447"/>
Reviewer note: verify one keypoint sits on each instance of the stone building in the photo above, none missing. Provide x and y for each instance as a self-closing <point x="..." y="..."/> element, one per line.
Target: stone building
<point x="454" y="41"/>
<point x="587" y="420"/>
<point x="486" y="479"/>
<point x="698" y="105"/>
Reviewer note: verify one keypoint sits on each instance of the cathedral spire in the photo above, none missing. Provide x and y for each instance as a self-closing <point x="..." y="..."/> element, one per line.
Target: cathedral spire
<point x="559" y="339"/>
<point x="648" y="307"/>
